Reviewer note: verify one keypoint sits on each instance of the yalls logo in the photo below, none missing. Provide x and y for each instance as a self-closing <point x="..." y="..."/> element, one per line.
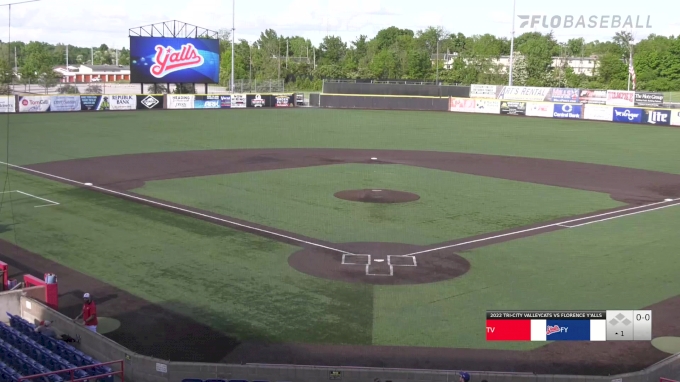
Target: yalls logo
<point x="168" y="60"/>
<point x="555" y="329"/>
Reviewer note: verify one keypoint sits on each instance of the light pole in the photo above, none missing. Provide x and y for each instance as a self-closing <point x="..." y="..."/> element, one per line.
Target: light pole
<point x="437" y="56"/>
<point x="9" y="32"/>
<point x="512" y="42"/>
<point x="233" y="30"/>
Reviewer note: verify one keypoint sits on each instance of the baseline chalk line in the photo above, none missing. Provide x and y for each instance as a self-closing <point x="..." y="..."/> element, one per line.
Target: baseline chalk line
<point x="560" y="224"/>
<point x="52" y="202"/>
<point x="178" y="209"/>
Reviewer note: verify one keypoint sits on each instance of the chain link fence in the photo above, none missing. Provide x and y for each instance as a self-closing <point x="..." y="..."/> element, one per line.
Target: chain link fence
<point x="261" y="86"/>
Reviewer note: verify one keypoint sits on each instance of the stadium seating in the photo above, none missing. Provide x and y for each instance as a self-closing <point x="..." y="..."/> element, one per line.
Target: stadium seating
<point x="24" y="352"/>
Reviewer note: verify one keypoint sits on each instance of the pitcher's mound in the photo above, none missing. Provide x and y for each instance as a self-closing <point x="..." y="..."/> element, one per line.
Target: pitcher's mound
<point x="377" y="196"/>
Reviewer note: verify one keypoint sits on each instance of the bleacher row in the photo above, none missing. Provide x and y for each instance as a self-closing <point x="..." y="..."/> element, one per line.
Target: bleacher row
<point x="23" y="352"/>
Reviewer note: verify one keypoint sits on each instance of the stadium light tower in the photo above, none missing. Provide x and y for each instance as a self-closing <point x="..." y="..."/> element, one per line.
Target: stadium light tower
<point x="512" y="43"/>
<point x="9" y="31"/>
<point x="233" y="29"/>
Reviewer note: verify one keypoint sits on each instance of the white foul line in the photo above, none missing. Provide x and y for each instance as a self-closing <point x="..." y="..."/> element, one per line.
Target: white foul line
<point x="52" y="203"/>
<point x="620" y="216"/>
<point x="179" y="209"/>
<point x="560" y="224"/>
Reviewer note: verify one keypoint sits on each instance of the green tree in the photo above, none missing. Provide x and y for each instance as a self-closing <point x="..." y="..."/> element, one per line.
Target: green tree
<point x="612" y="72"/>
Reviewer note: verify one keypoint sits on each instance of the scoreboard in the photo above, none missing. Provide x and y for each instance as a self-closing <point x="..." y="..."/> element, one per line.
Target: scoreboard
<point x="561" y="325"/>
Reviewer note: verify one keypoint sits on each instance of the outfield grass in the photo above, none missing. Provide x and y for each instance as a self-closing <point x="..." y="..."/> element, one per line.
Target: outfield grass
<point x="53" y="136"/>
<point x="451" y="205"/>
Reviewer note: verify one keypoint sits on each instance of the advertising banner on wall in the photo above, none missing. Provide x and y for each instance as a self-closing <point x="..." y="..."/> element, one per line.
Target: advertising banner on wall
<point x="540" y="109"/>
<point x="32" y="104"/>
<point x="121" y="102"/>
<point x="620" y="98"/>
<point x="207" y="102"/>
<point x="488" y="106"/>
<point x="657" y="117"/>
<point x="627" y="115"/>
<point x="225" y="101"/>
<point x="8" y="104"/>
<point x="525" y="93"/>
<point x="180" y="101"/>
<point x="257" y="100"/>
<point x="513" y="108"/>
<point x="238" y="101"/>
<point x="568" y="111"/>
<point x="283" y="100"/>
<point x="675" y="118"/>
<point x="484" y="91"/>
<point x="174" y="60"/>
<point x="596" y="97"/>
<point x="65" y="103"/>
<point x="596" y="112"/>
<point x="91" y="103"/>
<point x="150" y="102"/>
<point x="648" y="99"/>
<point x="565" y="95"/>
<point x="462" y="105"/>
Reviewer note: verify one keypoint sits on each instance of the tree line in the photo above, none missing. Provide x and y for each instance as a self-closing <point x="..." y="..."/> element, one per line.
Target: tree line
<point x="398" y="54"/>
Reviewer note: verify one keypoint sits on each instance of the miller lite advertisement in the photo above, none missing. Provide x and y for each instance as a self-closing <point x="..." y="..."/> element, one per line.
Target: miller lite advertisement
<point x="174" y="60"/>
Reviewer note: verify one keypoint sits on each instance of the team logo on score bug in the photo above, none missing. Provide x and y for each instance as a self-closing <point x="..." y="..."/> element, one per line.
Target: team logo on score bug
<point x="555" y="329"/>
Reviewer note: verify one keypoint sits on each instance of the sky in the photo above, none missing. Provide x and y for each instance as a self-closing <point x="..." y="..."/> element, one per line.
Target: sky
<point x="91" y="23"/>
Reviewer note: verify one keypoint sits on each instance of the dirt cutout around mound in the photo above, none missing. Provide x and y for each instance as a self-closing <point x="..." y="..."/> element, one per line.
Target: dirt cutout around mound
<point x="377" y="196"/>
<point x="118" y="174"/>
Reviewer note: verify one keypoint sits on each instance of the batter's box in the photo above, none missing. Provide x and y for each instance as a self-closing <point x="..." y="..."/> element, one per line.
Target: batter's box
<point x="402" y="261"/>
<point x="351" y="259"/>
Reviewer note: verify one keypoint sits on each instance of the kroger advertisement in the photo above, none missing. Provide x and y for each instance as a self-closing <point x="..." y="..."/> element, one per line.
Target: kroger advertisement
<point x="627" y="115"/>
<point x="174" y="60"/>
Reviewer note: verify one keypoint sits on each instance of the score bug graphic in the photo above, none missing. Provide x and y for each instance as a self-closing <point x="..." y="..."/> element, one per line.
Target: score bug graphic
<point x="174" y="60"/>
<point x="600" y="325"/>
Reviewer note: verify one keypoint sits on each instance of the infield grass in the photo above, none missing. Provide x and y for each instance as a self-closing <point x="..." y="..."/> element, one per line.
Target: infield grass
<point x="451" y="205"/>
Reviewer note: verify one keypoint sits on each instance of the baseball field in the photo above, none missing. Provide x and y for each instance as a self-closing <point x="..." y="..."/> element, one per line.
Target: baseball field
<point x="346" y="237"/>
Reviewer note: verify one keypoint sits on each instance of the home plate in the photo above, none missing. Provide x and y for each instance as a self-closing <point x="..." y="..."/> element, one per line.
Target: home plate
<point x="374" y="158"/>
<point x="379" y="260"/>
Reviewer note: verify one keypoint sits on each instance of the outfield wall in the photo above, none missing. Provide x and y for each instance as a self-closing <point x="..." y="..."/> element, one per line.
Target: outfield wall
<point x="395" y="89"/>
<point x="117" y="102"/>
<point x="615" y="111"/>
<point x="141" y="368"/>
<point x="342" y="101"/>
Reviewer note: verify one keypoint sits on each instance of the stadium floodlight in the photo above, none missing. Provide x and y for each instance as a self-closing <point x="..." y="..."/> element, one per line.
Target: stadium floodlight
<point x="512" y="42"/>
<point x="233" y="31"/>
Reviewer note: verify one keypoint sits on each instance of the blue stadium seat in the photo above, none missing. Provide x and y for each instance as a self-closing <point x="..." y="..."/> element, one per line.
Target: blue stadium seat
<point x="215" y="380"/>
<point x="65" y="352"/>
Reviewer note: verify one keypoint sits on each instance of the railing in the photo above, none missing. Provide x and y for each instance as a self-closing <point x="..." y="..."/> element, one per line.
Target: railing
<point x="121" y="373"/>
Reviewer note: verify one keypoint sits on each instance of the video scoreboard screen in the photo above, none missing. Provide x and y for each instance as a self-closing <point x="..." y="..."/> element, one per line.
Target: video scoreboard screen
<point x="557" y="325"/>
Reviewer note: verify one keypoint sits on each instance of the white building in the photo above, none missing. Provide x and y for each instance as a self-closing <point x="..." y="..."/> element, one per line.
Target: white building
<point x="581" y="65"/>
<point x="93" y="73"/>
